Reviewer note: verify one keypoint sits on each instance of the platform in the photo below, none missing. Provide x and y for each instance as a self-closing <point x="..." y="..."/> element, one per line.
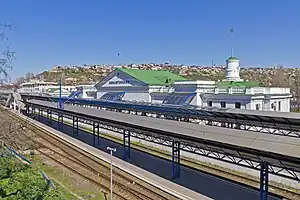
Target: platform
<point x="165" y="185"/>
<point x="274" y="144"/>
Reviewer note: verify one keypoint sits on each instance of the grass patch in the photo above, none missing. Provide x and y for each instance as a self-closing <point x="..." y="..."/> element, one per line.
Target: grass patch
<point x="65" y="182"/>
<point x="23" y="181"/>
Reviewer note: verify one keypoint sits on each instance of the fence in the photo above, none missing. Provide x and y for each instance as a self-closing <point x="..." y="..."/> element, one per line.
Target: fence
<point x="19" y="156"/>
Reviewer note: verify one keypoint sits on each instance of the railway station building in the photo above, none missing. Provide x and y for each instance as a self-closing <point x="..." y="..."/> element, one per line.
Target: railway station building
<point x="163" y="87"/>
<point x="137" y="85"/>
<point x="238" y="95"/>
<point x="234" y="92"/>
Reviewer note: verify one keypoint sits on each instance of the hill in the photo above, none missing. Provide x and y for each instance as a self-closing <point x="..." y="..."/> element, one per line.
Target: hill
<point x="91" y="74"/>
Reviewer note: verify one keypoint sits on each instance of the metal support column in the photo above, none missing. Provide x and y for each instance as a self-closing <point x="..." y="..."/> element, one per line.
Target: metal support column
<point x="94" y="133"/>
<point x="60" y="121"/>
<point x="77" y="130"/>
<point x="175" y="159"/>
<point x="209" y="122"/>
<point x="39" y="114"/>
<point x="33" y="111"/>
<point x="73" y="124"/>
<point x="98" y="132"/>
<point x="223" y="124"/>
<point x="50" y="116"/>
<point x="126" y="144"/>
<point x="264" y="181"/>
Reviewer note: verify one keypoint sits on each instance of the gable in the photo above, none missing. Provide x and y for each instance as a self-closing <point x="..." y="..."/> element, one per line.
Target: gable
<point x="117" y="82"/>
<point x="118" y="78"/>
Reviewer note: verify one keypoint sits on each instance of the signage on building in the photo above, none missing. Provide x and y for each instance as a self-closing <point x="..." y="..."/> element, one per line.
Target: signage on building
<point x="118" y="82"/>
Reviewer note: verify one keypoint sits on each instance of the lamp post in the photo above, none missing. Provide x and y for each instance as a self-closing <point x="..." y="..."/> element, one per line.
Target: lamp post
<point x="111" y="153"/>
<point x="60" y="100"/>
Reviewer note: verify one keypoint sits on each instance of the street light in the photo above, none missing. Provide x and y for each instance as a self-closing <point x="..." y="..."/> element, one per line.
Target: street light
<point x="111" y="152"/>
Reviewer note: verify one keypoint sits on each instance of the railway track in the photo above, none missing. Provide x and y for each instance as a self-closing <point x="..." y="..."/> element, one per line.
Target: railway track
<point x="230" y="176"/>
<point x="125" y="186"/>
<point x="250" y="182"/>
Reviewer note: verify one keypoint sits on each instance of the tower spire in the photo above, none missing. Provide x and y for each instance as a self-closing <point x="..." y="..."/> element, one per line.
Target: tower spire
<point x="232" y="41"/>
<point x="232" y="63"/>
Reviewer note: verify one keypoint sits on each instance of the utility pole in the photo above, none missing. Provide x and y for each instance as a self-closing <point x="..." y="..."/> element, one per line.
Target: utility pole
<point x="111" y="167"/>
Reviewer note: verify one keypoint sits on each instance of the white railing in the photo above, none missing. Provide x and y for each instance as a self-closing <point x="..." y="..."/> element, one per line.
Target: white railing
<point x="221" y="91"/>
<point x="160" y="89"/>
<point x="242" y="90"/>
<point x="265" y="90"/>
<point x="210" y="90"/>
<point x="237" y="90"/>
<point x="6" y="91"/>
<point x="28" y="90"/>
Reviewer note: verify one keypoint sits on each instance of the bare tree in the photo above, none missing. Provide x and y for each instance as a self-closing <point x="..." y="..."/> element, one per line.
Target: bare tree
<point x="7" y="55"/>
<point x="20" y="80"/>
<point x="29" y="75"/>
<point x="279" y="78"/>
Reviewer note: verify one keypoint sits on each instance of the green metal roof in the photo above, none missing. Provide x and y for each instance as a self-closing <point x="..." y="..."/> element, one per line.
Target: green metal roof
<point x="232" y="58"/>
<point x="153" y="77"/>
<point x="238" y="84"/>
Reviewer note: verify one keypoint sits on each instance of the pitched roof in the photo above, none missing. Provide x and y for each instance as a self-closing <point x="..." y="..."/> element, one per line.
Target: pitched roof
<point x="153" y="77"/>
<point x="238" y="84"/>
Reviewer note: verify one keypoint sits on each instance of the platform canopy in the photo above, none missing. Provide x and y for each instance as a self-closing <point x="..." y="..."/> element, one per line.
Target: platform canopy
<point x="278" y="151"/>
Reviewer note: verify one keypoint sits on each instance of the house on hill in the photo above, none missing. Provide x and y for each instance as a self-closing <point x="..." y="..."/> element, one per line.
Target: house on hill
<point x="136" y="85"/>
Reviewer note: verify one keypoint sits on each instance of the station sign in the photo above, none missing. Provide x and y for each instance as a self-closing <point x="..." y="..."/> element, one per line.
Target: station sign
<point x="119" y="82"/>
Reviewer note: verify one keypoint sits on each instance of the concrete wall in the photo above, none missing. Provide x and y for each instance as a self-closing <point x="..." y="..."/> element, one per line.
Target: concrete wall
<point x="249" y="102"/>
<point x="280" y="104"/>
<point x="230" y="100"/>
<point x="257" y="104"/>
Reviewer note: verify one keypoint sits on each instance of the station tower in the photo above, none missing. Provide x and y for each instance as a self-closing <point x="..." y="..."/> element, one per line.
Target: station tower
<point x="232" y="64"/>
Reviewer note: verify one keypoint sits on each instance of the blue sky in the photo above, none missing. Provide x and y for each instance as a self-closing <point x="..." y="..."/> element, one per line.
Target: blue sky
<point x="50" y="32"/>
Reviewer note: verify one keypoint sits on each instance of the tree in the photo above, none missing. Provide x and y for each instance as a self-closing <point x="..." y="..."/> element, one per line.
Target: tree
<point x="7" y="55"/>
<point x="279" y="79"/>
<point x="19" y="181"/>
<point x="20" y="80"/>
<point x="29" y="75"/>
